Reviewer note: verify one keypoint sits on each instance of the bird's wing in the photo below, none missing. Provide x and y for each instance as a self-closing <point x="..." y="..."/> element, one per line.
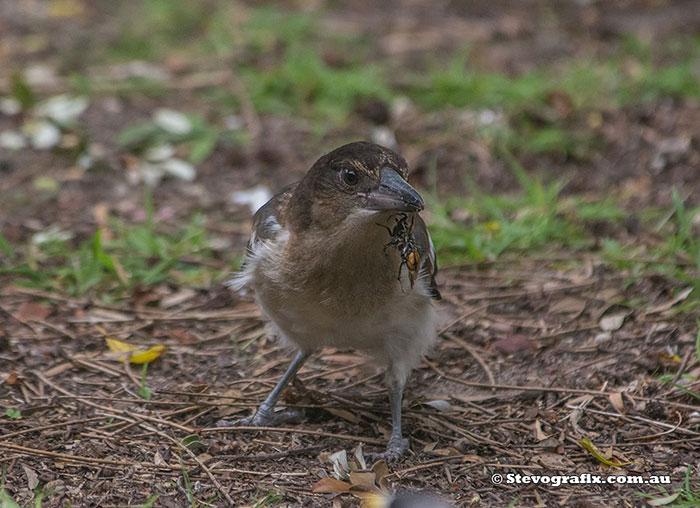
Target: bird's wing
<point x="268" y="221"/>
<point x="426" y="251"/>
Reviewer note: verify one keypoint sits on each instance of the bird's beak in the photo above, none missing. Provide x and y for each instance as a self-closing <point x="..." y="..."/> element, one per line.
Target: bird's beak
<point x="394" y="194"/>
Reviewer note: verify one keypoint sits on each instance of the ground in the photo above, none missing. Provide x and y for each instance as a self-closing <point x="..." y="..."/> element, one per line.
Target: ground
<point x="556" y="144"/>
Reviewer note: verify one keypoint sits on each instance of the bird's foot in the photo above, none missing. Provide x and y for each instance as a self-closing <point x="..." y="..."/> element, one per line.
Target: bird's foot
<point x="395" y="449"/>
<point x="264" y="418"/>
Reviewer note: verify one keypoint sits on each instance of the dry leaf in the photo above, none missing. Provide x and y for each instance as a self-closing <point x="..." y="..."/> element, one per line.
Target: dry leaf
<point x="359" y="457"/>
<point x="340" y="464"/>
<point x="514" y="344"/>
<point x="381" y="473"/>
<point x="593" y="450"/>
<point x="158" y="459"/>
<point x="32" y="478"/>
<point x="330" y="486"/>
<point x="30" y="311"/>
<point x="553" y="461"/>
<point x="663" y="501"/>
<point x="363" y="481"/>
<point x="568" y="305"/>
<point x="440" y="405"/>
<point x="666" y="306"/>
<point x="124" y="351"/>
<point x="344" y="414"/>
<point x="613" y="322"/>
<point x="539" y="434"/>
<point x="617" y="402"/>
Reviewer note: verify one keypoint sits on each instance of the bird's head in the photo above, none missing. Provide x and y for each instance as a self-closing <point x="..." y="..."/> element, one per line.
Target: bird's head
<point x="357" y="180"/>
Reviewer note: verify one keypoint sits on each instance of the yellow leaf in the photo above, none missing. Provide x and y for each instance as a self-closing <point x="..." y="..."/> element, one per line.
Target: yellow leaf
<point x="66" y="8"/>
<point x="117" y="346"/>
<point x="131" y="353"/>
<point x="494" y="225"/>
<point x="149" y="355"/>
<point x="673" y="358"/>
<point x="593" y="450"/>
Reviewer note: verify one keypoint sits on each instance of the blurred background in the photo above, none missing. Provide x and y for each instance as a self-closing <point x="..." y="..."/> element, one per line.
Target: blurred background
<point x="557" y="146"/>
<point x="208" y="106"/>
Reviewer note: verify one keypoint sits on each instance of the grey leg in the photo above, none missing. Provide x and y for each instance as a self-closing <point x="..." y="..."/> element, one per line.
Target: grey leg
<point x="265" y="416"/>
<point x="397" y="444"/>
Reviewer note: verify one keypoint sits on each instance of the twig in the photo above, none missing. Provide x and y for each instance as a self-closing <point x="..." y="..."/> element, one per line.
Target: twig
<point x="344" y="437"/>
<point x="476" y="356"/>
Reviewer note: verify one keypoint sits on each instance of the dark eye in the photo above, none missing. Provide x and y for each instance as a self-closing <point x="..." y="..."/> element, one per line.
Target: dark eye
<point x="350" y="177"/>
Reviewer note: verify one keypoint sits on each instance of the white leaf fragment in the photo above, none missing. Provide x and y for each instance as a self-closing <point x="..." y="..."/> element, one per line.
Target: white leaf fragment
<point x="63" y="109"/>
<point x="613" y="322"/>
<point x="159" y="153"/>
<point x="10" y="106"/>
<point x="44" y="135"/>
<point x="179" y="169"/>
<point x="171" y="121"/>
<point x="340" y="465"/>
<point x="12" y="140"/>
<point x="440" y="405"/>
<point x="254" y="198"/>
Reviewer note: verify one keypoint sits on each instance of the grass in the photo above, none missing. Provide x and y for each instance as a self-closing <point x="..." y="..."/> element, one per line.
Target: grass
<point x="283" y="59"/>
<point x="535" y="220"/>
<point x="483" y="226"/>
<point x="685" y="496"/>
<point x="139" y="254"/>
<point x="669" y="378"/>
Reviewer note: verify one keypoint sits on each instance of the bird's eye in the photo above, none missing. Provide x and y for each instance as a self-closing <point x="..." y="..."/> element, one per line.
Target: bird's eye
<point x="350" y="177"/>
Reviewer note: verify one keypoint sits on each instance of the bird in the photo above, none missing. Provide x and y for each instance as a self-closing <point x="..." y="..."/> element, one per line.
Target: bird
<point x="343" y="259"/>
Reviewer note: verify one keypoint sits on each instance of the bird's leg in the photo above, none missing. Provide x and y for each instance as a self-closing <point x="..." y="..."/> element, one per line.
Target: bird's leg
<point x="265" y="416"/>
<point x="397" y="444"/>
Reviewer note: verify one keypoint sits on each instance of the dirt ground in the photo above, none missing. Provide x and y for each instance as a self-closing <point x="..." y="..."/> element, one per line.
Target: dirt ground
<point x="535" y="353"/>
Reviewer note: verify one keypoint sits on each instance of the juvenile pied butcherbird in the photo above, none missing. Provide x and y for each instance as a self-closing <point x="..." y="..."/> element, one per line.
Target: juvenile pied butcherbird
<point x="343" y="259"/>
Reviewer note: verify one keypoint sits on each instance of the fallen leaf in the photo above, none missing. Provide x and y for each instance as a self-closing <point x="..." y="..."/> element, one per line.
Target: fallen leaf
<point x="363" y="481"/>
<point x="31" y="311"/>
<point x="158" y="459"/>
<point x="440" y="405"/>
<point x="666" y="306"/>
<point x="340" y="464"/>
<point x="539" y="434"/>
<point x="359" y="457"/>
<point x="613" y="322"/>
<point x="344" y="414"/>
<point x="65" y="8"/>
<point x="514" y="344"/>
<point x="32" y="478"/>
<point x="381" y="472"/>
<point x="617" y="402"/>
<point x="553" y="461"/>
<point x="126" y="351"/>
<point x="43" y="134"/>
<point x="179" y="169"/>
<point x="330" y="486"/>
<point x="593" y="450"/>
<point x="62" y="109"/>
<point x="171" y="121"/>
<point x="663" y="501"/>
<point x="11" y="140"/>
<point x="568" y="305"/>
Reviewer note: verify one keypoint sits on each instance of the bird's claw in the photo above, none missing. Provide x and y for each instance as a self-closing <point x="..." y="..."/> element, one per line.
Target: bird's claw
<point x="395" y="449"/>
<point x="264" y="418"/>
